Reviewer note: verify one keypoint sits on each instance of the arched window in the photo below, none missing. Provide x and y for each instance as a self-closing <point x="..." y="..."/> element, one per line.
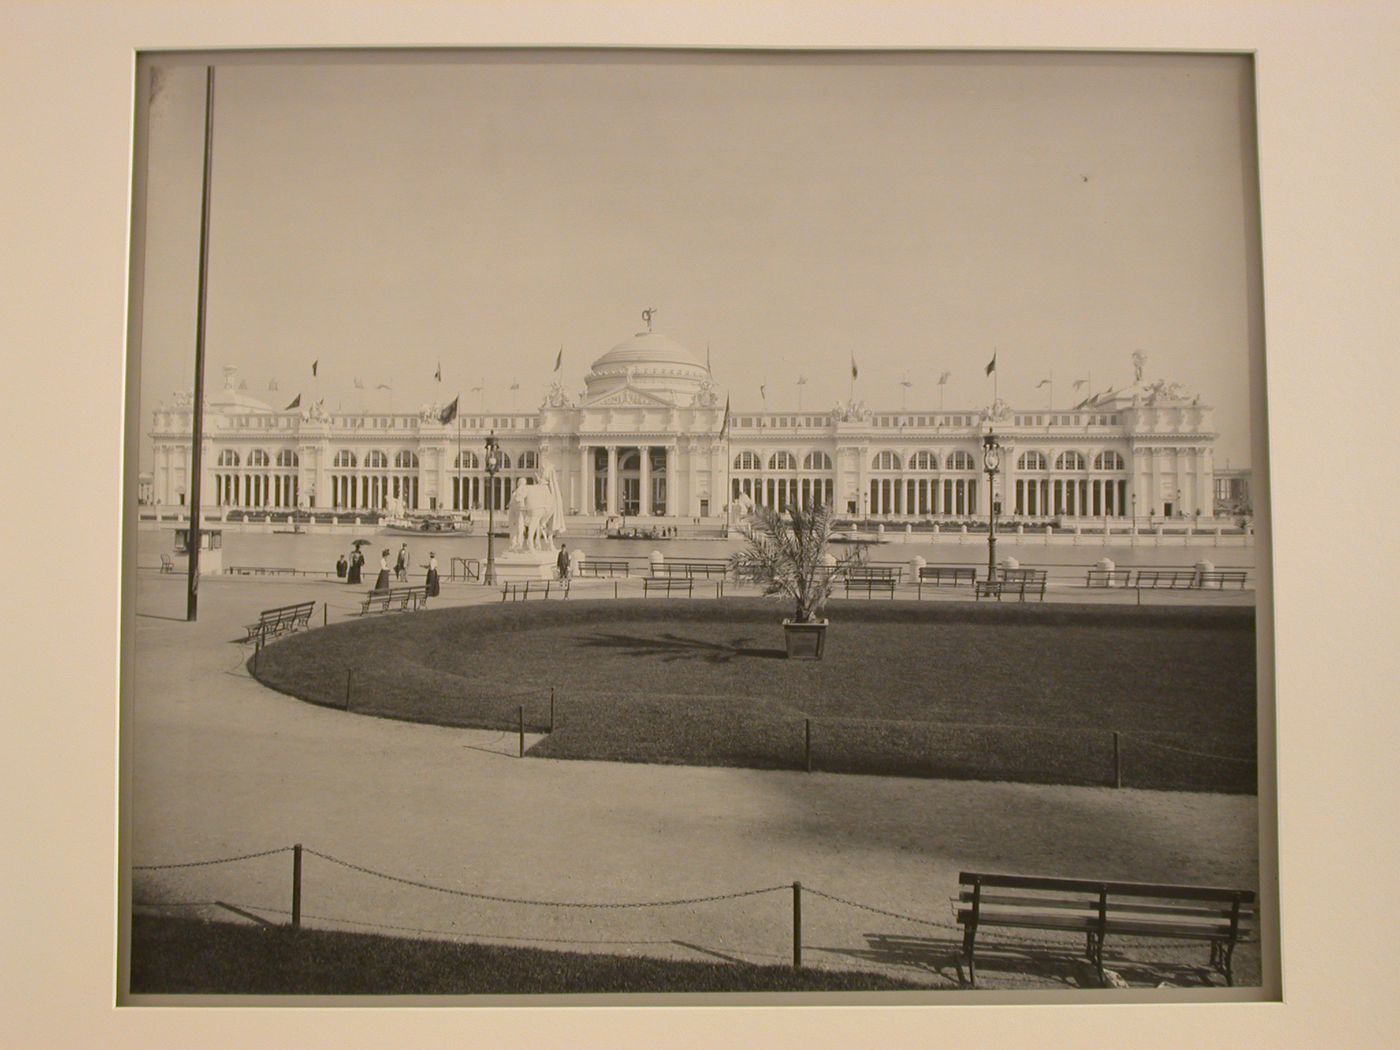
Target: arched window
<point x="406" y="460"/>
<point x="1031" y="461"/>
<point x="782" y="461"/>
<point x="748" y="461"/>
<point x="505" y="460"/>
<point x="1069" y="461"/>
<point x="467" y="461"/>
<point x="529" y="461"/>
<point x="886" y="460"/>
<point x="228" y="458"/>
<point x="344" y="458"/>
<point x="1109" y="460"/>
<point x="960" y="460"/>
<point x="923" y="461"/>
<point x="816" y="461"/>
<point x="376" y="460"/>
<point x="258" y="458"/>
<point x="287" y="458"/>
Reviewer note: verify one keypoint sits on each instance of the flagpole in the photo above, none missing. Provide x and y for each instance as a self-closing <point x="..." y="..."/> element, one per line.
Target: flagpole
<point x="196" y="452"/>
<point x="461" y="495"/>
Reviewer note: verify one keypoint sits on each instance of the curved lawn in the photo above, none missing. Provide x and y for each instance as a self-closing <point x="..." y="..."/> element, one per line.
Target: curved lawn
<point x="1006" y="692"/>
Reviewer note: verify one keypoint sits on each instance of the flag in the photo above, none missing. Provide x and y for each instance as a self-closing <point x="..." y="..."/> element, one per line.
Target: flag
<point x="724" y="427"/>
<point x="296" y="403"/>
<point x="708" y="369"/>
<point x="855" y="372"/>
<point x="359" y="384"/>
<point x="515" y="386"/>
<point x="1079" y="382"/>
<point x="559" y="359"/>
<point x="314" y="364"/>
<point x="801" y="380"/>
<point x="448" y="414"/>
<point x="384" y="386"/>
<point x="943" y="379"/>
<point x="438" y="374"/>
<point x="762" y="392"/>
<point x="1043" y="382"/>
<point x="992" y="364"/>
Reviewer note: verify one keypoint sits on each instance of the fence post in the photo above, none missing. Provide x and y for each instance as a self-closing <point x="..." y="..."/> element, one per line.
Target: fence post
<point x="614" y="588"/>
<point x="551" y="709"/>
<point x="522" y="730"/>
<point x="1117" y="761"/>
<point x="325" y="614"/>
<point x="257" y="648"/>
<point x="807" y="742"/>
<point x="296" y="886"/>
<point x="797" y="925"/>
<point x="349" y="672"/>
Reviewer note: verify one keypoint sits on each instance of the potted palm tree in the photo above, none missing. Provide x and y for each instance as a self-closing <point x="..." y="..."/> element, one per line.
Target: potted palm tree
<point x="789" y="554"/>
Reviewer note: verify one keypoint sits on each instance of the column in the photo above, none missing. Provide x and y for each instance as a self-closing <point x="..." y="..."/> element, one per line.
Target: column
<point x="611" y="487"/>
<point x="585" y="483"/>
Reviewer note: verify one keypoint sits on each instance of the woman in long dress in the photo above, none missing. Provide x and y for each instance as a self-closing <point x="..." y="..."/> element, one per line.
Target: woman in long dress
<point x="356" y="560"/>
<point x="432" y="575"/>
<point x="381" y="583"/>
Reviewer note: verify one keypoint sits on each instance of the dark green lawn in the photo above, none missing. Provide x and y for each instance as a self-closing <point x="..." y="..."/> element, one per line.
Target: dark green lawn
<point x="1015" y="692"/>
<point x="177" y="956"/>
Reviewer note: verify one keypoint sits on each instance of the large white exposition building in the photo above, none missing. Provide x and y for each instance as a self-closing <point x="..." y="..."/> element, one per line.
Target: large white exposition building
<point x="647" y="437"/>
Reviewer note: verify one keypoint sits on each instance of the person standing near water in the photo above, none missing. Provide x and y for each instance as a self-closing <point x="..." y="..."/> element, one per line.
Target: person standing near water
<point x="381" y="582"/>
<point x="432" y="585"/>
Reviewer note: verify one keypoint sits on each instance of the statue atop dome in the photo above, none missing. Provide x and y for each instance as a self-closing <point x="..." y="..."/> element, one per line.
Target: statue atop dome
<point x="647" y="315"/>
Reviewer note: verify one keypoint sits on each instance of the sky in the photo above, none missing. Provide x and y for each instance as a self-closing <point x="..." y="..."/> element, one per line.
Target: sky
<point x="917" y="213"/>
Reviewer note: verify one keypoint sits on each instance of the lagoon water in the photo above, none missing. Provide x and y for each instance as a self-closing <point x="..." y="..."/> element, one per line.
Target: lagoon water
<point x="318" y="551"/>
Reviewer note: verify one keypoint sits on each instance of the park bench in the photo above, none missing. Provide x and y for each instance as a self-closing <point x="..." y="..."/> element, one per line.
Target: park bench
<point x="1108" y="577"/>
<point x="870" y="585"/>
<point x="1170" y="578"/>
<point x="949" y="575"/>
<point x="395" y="599"/>
<point x="602" y="566"/>
<point x="263" y="570"/>
<point x="690" y="569"/>
<point x="1220" y="577"/>
<point x="1019" y="582"/>
<point x="1094" y="909"/>
<point x="668" y="585"/>
<point x="894" y="573"/>
<point x="166" y="564"/>
<point x="282" y="619"/>
<point x="524" y="590"/>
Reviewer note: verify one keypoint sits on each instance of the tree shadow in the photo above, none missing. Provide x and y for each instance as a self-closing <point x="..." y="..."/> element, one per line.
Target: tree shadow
<point x="672" y="647"/>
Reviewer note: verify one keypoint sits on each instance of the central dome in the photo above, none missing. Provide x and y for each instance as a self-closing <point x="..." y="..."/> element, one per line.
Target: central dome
<point x="652" y="362"/>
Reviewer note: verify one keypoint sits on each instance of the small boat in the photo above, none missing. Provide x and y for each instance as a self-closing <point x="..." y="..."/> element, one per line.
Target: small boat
<point x="419" y="526"/>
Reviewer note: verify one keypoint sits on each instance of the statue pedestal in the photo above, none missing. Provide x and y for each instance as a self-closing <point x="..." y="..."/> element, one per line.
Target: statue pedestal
<point x="527" y="565"/>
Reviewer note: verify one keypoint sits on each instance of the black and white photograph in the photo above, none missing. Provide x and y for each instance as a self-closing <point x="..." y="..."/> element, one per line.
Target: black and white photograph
<point x="643" y="522"/>
<point x="801" y="524"/>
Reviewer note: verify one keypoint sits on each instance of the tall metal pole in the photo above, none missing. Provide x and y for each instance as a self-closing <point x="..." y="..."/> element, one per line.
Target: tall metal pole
<point x="491" y="466"/>
<point x="991" y="460"/>
<point x="197" y="450"/>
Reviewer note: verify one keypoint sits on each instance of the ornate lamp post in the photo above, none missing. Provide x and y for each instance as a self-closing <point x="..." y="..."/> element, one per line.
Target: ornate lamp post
<point x="493" y="464"/>
<point x="991" y="463"/>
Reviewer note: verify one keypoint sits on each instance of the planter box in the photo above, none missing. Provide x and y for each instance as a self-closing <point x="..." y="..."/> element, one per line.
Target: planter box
<point x="805" y="641"/>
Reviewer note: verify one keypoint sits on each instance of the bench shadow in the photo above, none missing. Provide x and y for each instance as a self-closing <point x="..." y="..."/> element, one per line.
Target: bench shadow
<point x="672" y="647"/>
<point x="1058" y="964"/>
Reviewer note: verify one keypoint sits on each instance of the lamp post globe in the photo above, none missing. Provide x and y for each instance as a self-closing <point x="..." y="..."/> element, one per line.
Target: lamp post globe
<point x="493" y="464"/>
<point x="991" y="463"/>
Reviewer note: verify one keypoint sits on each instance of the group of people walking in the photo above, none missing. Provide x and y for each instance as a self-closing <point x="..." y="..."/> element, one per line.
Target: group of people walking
<point x="350" y="569"/>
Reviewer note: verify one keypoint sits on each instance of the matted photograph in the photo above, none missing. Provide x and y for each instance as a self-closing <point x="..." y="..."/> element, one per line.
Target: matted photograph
<point x="786" y="525"/>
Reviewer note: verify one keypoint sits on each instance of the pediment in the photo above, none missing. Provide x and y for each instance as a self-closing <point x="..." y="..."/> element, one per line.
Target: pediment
<point x="628" y="396"/>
